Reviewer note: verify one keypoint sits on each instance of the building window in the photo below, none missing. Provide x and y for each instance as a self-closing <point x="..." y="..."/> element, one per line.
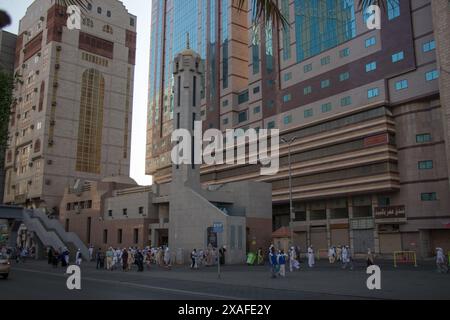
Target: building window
<point x="256" y="90"/>
<point x="270" y="104"/>
<point x="110" y="213"/>
<point x="346" y="101"/>
<point x="108" y="14"/>
<point x="125" y="212"/>
<point x="325" y="60"/>
<point x="225" y="121"/>
<point x="308" y="113"/>
<point x="243" y="97"/>
<point x="307" y="90"/>
<point x="256" y="41"/>
<point x="325" y="83"/>
<point x="90" y="128"/>
<point x="344" y="76"/>
<point x="393" y="9"/>
<point x="286" y="31"/>
<point x="141" y="210"/>
<point x="287" y="98"/>
<point x="372" y="93"/>
<point x="429" y="46"/>
<point x="396" y="57"/>
<point x="271" y="125"/>
<point x="256" y="109"/>
<point x="119" y="236"/>
<point x="307" y="68"/>
<point x="425" y="165"/>
<point x="431" y="196"/>
<point x="432" y="75"/>
<point x="371" y="66"/>
<point x="371" y="42"/>
<point x="105" y="236"/>
<point x="287" y="120"/>
<point x="326" y="107"/>
<point x="132" y="22"/>
<point x="37" y="146"/>
<point x="322" y="25"/>
<point x="287" y="76"/>
<point x="135" y="236"/>
<point x="242" y="116"/>
<point x="400" y="85"/>
<point x="99" y="10"/>
<point x="423" y="138"/>
<point x="344" y="53"/>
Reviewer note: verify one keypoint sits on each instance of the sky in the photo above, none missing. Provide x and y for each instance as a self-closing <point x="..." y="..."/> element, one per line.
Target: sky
<point x="142" y="9"/>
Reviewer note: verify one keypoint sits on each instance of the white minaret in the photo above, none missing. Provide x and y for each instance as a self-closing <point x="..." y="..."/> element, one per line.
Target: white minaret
<point x="188" y="73"/>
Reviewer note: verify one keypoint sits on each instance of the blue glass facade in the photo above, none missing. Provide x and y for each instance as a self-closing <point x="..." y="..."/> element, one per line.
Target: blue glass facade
<point x="322" y="24"/>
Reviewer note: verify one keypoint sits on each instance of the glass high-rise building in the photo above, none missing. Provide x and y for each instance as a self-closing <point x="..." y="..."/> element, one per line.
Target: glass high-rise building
<point x="210" y="26"/>
<point x="368" y="108"/>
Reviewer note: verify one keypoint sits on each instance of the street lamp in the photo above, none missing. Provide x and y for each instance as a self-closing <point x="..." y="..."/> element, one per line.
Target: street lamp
<point x="291" y="207"/>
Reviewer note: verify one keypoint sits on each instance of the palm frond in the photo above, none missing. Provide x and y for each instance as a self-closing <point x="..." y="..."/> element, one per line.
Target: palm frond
<point x="267" y="10"/>
<point x="5" y="19"/>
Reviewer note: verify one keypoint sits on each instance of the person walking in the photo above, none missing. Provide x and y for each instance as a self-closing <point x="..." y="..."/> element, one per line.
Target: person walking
<point x="222" y="252"/>
<point x="91" y="252"/>
<point x="78" y="258"/>
<point x="311" y="258"/>
<point x="293" y="262"/>
<point x="260" y="257"/>
<point x="139" y="260"/>
<point x="167" y="258"/>
<point x="98" y="258"/>
<point x="194" y="259"/>
<point x="109" y="259"/>
<point x="273" y="259"/>
<point x="282" y="257"/>
<point x="370" y="258"/>
<point x="332" y="255"/>
<point x="49" y="255"/>
<point x="441" y="261"/>
<point x="125" y="260"/>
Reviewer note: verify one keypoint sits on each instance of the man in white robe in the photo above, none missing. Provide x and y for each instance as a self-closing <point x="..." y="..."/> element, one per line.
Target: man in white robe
<point x="441" y="261"/>
<point x="311" y="258"/>
<point x="78" y="258"/>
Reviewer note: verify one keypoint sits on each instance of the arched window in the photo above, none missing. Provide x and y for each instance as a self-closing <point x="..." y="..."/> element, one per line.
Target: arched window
<point x="9" y="156"/>
<point x="37" y="146"/>
<point x="108" y="29"/>
<point x="90" y="122"/>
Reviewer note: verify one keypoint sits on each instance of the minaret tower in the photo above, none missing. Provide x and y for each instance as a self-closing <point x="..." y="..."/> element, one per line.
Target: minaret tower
<point x="188" y="71"/>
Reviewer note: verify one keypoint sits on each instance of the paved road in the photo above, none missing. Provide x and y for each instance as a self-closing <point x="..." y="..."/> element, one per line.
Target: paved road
<point x="37" y="280"/>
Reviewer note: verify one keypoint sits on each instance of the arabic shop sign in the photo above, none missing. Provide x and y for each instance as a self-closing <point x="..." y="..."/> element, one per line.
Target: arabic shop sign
<point x="390" y="212"/>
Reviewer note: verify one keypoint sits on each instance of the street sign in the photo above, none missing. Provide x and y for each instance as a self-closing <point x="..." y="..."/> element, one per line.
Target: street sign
<point x="218" y="227"/>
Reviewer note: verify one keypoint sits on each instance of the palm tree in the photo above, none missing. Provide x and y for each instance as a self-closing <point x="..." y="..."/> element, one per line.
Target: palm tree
<point x="270" y="12"/>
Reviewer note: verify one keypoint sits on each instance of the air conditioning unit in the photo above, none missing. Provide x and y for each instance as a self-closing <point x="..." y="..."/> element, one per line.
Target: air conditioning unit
<point x="39" y="54"/>
<point x="49" y="162"/>
<point x="24" y="66"/>
<point x="37" y="72"/>
<point x="52" y="122"/>
<point x="30" y="182"/>
<point x="42" y="18"/>
<point x="33" y="107"/>
<point x="58" y="48"/>
<point x="51" y="142"/>
<point x="48" y="182"/>
<point x="57" y="66"/>
<point x="32" y="127"/>
<point x="54" y="104"/>
<point x="13" y="187"/>
<point x="35" y="89"/>
<point x="55" y="84"/>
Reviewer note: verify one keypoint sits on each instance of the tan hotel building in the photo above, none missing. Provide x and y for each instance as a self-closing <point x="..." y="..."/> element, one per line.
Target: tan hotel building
<point x="369" y="109"/>
<point x="71" y="117"/>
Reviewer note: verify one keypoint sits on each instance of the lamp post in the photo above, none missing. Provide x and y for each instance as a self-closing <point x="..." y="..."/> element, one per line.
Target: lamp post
<point x="291" y="207"/>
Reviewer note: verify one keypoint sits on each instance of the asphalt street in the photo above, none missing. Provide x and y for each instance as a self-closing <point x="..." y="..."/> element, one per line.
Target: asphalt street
<point x="37" y="280"/>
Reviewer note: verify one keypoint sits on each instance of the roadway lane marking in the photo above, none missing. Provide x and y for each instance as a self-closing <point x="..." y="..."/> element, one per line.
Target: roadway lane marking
<point x="143" y="286"/>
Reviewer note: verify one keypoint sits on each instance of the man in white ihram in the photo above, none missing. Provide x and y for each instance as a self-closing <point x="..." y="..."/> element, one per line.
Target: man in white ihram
<point x="78" y="258"/>
<point x="311" y="258"/>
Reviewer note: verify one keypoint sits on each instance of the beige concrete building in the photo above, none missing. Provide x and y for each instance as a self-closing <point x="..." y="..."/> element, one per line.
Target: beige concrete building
<point x="71" y="117"/>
